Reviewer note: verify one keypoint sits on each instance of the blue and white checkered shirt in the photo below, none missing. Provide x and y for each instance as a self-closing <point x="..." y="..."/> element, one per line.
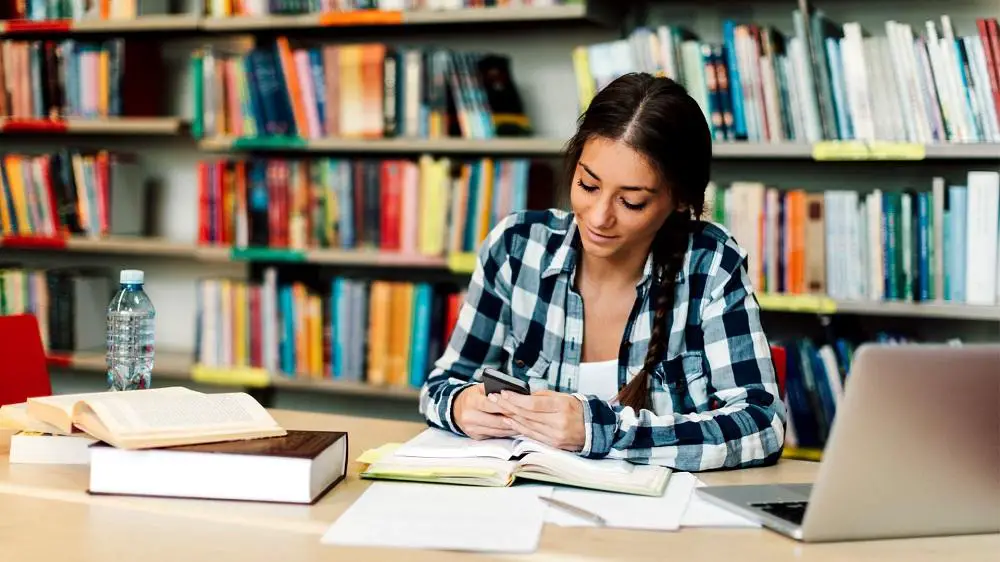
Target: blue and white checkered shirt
<point x="714" y="394"/>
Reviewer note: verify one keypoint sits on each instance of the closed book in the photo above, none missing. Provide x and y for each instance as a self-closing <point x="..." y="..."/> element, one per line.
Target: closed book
<point x="43" y="448"/>
<point x="295" y="468"/>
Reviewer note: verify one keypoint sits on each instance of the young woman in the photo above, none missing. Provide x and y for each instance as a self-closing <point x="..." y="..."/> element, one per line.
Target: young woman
<point x="634" y="323"/>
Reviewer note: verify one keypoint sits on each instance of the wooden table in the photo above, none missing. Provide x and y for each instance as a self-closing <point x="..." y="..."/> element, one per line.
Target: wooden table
<point x="45" y="515"/>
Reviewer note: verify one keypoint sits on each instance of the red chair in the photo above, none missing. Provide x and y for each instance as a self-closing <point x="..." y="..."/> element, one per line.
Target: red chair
<point x="23" y="371"/>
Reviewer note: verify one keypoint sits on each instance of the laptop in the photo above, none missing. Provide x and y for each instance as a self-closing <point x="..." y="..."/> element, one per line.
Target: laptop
<point x="914" y="451"/>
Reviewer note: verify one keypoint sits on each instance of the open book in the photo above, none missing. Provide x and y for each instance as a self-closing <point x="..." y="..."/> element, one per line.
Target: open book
<point x="442" y="457"/>
<point x="162" y="417"/>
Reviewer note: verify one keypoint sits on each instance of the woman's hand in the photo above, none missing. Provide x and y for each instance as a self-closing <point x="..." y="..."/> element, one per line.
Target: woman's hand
<point x="478" y="417"/>
<point x="553" y="418"/>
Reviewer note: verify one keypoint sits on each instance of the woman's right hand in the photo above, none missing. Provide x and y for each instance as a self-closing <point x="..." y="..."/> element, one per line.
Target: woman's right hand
<point x="479" y="417"/>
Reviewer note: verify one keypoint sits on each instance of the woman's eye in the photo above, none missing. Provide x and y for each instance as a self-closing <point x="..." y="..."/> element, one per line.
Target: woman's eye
<point x="586" y="187"/>
<point x="634" y="206"/>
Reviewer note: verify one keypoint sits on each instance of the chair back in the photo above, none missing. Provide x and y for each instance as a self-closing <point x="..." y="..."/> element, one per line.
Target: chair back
<point x="23" y="370"/>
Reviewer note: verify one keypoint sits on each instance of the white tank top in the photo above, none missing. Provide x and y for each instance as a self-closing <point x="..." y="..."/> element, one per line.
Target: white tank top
<point x="599" y="378"/>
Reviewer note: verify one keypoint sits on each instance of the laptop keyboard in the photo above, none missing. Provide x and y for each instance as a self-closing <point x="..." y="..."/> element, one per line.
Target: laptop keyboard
<point x="789" y="511"/>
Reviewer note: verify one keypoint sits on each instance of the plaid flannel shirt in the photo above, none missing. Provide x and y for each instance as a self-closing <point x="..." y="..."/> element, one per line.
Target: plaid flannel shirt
<point x="714" y="393"/>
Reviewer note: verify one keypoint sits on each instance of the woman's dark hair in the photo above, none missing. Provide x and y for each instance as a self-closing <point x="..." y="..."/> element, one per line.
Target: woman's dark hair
<point x="656" y="117"/>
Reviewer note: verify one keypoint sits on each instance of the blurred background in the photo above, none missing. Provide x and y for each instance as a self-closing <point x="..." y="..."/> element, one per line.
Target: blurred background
<point x="305" y="182"/>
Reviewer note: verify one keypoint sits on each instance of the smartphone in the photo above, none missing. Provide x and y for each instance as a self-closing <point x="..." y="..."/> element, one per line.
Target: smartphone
<point x="494" y="381"/>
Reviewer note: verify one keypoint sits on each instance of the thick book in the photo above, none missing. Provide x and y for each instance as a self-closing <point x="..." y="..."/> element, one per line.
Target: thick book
<point x="296" y="468"/>
<point x="162" y="417"/>
<point x="441" y="457"/>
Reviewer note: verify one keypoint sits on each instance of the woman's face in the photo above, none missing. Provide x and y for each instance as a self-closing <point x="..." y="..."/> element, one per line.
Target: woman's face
<point x="618" y="199"/>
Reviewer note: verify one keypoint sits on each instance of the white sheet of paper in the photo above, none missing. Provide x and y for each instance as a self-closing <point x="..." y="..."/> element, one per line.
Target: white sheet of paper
<point x="438" y="443"/>
<point x="625" y="510"/>
<point x="701" y="513"/>
<point x="443" y="517"/>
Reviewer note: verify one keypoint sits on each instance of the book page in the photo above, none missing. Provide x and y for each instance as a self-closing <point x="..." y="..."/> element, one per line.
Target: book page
<point x="59" y="410"/>
<point x="146" y="412"/>
<point x="441" y="444"/>
<point x="15" y="416"/>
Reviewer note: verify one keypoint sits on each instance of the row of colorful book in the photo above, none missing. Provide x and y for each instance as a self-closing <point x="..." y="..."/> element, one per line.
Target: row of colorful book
<point x="63" y="193"/>
<point x="822" y="81"/>
<point x="69" y="303"/>
<point x="816" y="374"/>
<point x="385" y="333"/>
<point x="937" y="244"/>
<point x="428" y="206"/>
<point x="46" y="10"/>
<point x="366" y="90"/>
<point x="225" y="8"/>
<point x="82" y="79"/>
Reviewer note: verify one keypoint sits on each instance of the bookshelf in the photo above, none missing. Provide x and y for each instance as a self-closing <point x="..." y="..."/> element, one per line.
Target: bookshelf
<point x="544" y="73"/>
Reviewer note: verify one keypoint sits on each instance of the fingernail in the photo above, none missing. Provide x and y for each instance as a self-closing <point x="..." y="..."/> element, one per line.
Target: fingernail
<point x="493" y="397"/>
<point x="509" y="422"/>
<point x="504" y="394"/>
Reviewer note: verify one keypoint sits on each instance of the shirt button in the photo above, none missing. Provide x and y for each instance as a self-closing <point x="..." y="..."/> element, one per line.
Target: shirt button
<point x="519" y="363"/>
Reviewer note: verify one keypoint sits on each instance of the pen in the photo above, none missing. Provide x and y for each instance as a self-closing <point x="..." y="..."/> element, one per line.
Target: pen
<point x="579" y="512"/>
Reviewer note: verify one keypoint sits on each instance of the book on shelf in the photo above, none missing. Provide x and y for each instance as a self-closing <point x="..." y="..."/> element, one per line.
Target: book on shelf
<point x="934" y="244"/>
<point x="298" y="467"/>
<point x="427" y="206"/>
<point x="47" y="10"/>
<point x="90" y="193"/>
<point x="69" y="303"/>
<point x="48" y="79"/>
<point x="361" y="91"/>
<point x="380" y="332"/>
<point x="437" y="456"/>
<point x="214" y="8"/>
<point x="823" y="80"/>
<point x="162" y="417"/>
<point x="816" y="372"/>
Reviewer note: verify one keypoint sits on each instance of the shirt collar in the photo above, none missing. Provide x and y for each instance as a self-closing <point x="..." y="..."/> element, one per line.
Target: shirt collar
<point x="565" y="257"/>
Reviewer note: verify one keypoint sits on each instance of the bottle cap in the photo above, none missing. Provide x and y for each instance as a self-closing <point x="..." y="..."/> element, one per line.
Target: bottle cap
<point x="131" y="277"/>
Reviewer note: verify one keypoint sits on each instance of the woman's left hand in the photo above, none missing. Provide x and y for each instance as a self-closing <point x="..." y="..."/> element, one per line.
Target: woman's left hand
<point x="553" y="418"/>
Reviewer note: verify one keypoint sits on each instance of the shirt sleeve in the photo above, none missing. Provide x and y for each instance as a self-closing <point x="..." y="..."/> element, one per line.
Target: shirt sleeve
<point x="479" y="333"/>
<point x="746" y="428"/>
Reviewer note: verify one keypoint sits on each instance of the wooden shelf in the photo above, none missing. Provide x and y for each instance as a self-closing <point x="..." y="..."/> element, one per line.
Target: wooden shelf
<point x="144" y="24"/>
<point x="543" y="147"/>
<point x="499" y="147"/>
<point x="816" y="304"/>
<point x="464" y="17"/>
<point x="180" y="366"/>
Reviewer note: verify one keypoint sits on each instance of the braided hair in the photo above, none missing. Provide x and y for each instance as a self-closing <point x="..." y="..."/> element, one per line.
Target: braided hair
<point x="656" y="117"/>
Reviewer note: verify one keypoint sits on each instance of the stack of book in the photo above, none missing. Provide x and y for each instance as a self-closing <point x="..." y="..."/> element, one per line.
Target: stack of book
<point x="351" y="91"/>
<point x="45" y="10"/>
<point x="941" y="244"/>
<point x="427" y="207"/>
<point x="82" y="79"/>
<point x="176" y="442"/>
<point x="824" y="81"/>
<point x="70" y="303"/>
<point x="384" y="333"/>
<point x="69" y="192"/>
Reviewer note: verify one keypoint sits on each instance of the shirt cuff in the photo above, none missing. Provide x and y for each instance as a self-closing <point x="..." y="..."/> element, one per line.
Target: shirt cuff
<point x="600" y="423"/>
<point x="448" y="399"/>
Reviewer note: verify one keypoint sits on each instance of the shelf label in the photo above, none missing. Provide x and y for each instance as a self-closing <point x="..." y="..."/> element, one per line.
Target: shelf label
<point x="33" y="242"/>
<point x="268" y="143"/>
<point x="34" y="126"/>
<point x="798" y="303"/>
<point x="861" y="150"/>
<point x="361" y="17"/>
<point x="462" y="262"/>
<point x="238" y="376"/>
<point x="29" y="26"/>
<point x="267" y="254"/>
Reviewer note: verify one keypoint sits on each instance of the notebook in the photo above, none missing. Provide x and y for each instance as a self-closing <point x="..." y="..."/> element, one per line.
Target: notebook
<point x="441" y="457"/>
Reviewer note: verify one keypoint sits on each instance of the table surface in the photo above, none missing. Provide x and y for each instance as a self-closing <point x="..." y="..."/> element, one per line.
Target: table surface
<point x="46" y="514"/>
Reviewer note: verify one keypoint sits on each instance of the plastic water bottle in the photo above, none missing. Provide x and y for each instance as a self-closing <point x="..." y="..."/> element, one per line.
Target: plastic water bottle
<point x="131" y="319"/>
